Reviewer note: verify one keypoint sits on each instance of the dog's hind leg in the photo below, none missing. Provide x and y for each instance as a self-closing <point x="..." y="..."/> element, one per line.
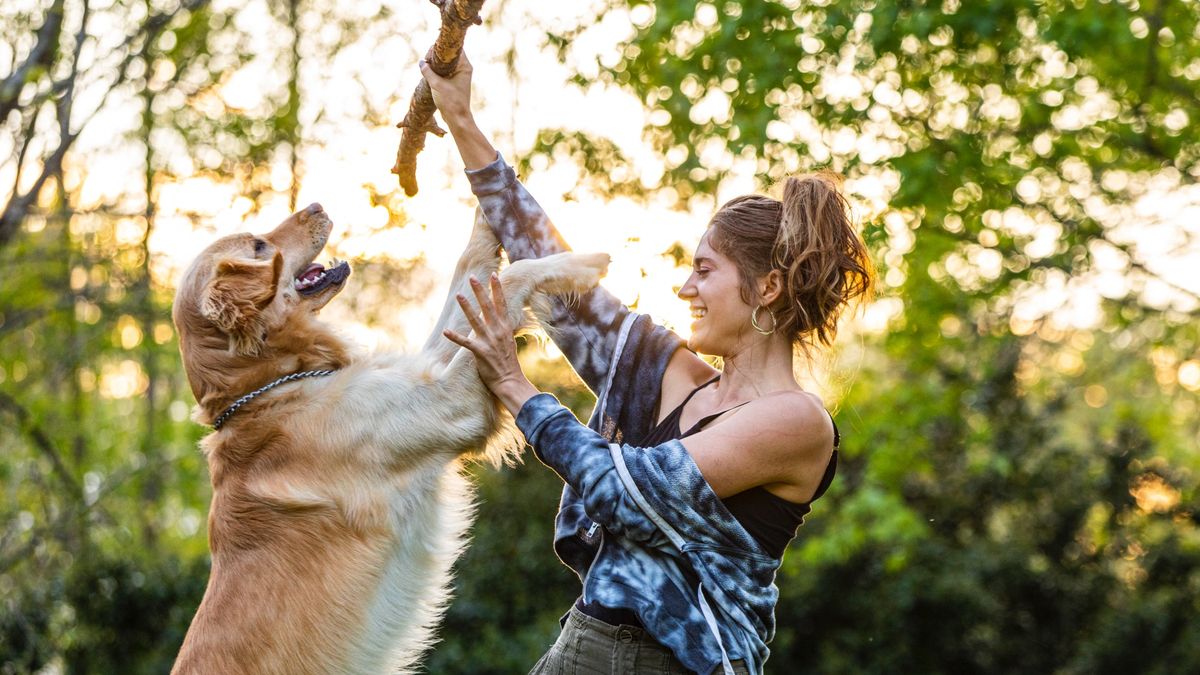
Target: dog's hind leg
<point x="479" y="259"/>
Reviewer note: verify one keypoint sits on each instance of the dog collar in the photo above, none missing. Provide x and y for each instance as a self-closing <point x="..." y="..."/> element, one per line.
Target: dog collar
<point x="263" y="389"/>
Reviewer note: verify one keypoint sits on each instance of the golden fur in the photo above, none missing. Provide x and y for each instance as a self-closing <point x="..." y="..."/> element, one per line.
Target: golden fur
<point x="338" y="505"/>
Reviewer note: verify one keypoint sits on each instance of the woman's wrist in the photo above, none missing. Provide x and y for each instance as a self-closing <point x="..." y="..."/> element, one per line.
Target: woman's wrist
<point x="457" y="116"/>
<point x="514" y="392"/>
<point x="475" y="148"/>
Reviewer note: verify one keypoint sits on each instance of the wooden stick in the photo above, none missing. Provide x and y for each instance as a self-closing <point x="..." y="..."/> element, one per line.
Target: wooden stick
<point x="457" y="17"/>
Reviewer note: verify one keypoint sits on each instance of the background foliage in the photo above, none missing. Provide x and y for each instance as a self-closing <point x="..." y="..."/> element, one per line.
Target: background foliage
<point x="1018" y="488"/>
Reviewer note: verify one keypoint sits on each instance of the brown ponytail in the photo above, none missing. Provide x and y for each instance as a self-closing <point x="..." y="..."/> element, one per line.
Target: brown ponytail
<point x="809" y="238"/>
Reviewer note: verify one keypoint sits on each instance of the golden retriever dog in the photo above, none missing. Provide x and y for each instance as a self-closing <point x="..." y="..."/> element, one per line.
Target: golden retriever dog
<point x="338" y="503"/>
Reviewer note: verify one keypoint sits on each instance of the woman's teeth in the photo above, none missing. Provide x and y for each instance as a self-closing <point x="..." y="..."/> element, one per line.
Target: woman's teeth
<point x="699" y="313"/>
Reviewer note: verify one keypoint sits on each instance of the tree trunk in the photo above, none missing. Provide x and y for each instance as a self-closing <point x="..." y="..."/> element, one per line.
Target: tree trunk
<point x="152" y="482"/>
<point x="293" y="103"/>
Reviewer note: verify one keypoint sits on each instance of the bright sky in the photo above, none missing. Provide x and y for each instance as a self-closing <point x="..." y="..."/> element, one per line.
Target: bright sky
<point x="511" y="111"/>
<point x="353" y="154"/>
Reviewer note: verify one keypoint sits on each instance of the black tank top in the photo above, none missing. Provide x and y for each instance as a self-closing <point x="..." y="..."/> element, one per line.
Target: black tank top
<point x="770" y="519"/>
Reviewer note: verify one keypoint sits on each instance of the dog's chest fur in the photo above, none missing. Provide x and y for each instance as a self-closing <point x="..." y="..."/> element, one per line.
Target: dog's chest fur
<point x="390" y="535"/>
<point x="429" y="522"/>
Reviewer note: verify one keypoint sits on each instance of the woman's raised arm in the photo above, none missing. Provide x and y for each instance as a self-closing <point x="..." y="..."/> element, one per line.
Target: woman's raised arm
<point x="586" y="330"/>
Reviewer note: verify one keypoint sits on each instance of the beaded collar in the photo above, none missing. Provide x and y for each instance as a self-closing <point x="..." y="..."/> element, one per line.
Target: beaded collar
<point x="263" y="389"/>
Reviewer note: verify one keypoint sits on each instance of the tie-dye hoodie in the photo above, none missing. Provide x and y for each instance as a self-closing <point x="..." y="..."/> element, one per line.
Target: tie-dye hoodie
<point x="640" y="526"/>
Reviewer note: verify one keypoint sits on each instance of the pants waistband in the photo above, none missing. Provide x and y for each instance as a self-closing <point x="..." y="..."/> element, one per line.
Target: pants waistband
<point x="612" y="616"/>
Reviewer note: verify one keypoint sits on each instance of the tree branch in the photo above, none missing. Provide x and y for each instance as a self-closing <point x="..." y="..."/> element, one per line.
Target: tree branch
<point x="457" y="17"/>
<point x="43" y="443"/>
<point x="18" y="206"/>
<point x="26" y="141"/>
<point x="41" y="55"/>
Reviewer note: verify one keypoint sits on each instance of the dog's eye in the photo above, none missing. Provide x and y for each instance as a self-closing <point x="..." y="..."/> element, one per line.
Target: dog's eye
<point x="259" y="246"/>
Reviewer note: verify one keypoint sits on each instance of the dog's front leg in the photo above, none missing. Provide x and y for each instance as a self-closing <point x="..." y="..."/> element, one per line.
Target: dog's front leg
<point x="479" y="259"/>
<point x="448" y="409"/>
<point x="525" y="282"/>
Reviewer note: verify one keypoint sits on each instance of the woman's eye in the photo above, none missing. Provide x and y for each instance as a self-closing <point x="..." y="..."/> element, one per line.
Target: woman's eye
<point x="259" y="246"/>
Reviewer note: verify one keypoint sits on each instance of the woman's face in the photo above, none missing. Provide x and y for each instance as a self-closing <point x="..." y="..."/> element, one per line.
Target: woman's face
<point x="721" y="320"/>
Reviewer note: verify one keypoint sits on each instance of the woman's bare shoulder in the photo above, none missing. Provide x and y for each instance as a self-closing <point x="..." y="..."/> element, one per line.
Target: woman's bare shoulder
<point x="801" y="415"/>
<point x="685" y="371"/>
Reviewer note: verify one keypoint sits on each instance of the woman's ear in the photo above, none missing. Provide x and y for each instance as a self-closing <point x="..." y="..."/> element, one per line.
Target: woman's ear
<point x="770" y="287"/>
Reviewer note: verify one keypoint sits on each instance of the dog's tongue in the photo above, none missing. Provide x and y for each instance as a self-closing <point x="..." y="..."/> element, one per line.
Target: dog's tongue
<point x="313" y="271"/>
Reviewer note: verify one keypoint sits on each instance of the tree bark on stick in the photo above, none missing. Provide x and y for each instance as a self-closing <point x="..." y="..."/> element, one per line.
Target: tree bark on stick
<point x="457" y="17"/>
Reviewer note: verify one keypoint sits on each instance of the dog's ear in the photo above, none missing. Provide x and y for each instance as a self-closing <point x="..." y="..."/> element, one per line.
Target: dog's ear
<point x="235" y="299"/>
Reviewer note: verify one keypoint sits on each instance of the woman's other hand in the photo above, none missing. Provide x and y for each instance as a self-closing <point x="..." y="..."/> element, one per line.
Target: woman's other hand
<point x="492" y="343"/>
<point x="451" y="95"/>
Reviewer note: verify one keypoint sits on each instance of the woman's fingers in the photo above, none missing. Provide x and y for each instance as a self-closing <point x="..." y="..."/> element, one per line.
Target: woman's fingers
<point x="427" y="72"/>
<point x="492" y="337"/>
<point x="469" y="311"/>
<point x="498" y="299"/>
<point x="462" y="69"/>
<point x="458" y="339"/>
<point x="486" y="307"/>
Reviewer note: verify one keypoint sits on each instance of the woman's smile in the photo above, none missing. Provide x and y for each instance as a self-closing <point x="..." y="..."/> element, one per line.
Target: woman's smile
<point x="714" y="295"/>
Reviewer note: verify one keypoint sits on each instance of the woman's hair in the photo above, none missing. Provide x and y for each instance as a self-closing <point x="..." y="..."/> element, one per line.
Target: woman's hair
<point x="809" y="238"/>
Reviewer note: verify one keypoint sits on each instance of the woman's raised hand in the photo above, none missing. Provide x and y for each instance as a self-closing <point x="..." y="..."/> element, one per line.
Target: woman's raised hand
<point x="492" y="343"/>
<point x="451" y="95"/>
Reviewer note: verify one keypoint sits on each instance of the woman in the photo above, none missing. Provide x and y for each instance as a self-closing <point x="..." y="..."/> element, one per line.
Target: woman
<point x="686" y="486"/>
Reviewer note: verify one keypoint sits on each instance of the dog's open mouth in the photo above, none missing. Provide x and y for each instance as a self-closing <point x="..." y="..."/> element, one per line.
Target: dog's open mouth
<point x="317" y="278"/>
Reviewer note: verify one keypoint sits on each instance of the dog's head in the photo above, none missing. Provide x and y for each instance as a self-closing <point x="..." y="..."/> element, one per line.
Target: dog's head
<point x="243" y="286"/>
<point x="246" y="297"/>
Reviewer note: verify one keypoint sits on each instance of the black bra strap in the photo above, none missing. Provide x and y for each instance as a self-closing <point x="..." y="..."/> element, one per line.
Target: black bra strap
<point x="708" y="418"/>
<point x="689" y="396"/>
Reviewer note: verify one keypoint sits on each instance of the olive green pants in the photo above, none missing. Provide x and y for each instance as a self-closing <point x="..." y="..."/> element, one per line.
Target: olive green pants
<point x="588" y="646"/>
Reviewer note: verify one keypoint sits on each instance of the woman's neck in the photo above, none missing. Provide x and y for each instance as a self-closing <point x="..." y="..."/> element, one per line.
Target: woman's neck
<point x="763" y="366"/>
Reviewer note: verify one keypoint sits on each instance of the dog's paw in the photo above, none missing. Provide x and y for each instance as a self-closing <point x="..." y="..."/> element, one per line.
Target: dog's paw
<point x="558" y="274"/>
<point x="576" y="273"/>
<point x="591" y="268"/>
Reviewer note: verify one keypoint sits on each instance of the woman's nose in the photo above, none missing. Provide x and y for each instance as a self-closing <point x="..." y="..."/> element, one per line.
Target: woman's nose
<point x="687" y="290"/>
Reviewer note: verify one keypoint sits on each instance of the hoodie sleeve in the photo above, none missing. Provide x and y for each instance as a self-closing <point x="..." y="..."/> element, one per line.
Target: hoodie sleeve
<point x="581" y="458"/>
<point x="586" y="329"/>
<point x="660" y="484"/>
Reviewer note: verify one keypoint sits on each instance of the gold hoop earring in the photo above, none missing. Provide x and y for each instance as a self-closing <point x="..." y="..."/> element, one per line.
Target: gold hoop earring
<point x="754" y="320"/>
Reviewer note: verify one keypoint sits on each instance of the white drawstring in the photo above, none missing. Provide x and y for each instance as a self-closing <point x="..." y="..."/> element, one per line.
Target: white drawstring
<point x="676" y="539"/>
<point x="713" y="626"/>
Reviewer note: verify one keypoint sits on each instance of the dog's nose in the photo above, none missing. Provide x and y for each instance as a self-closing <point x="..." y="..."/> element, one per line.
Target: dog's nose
<point x="313" y="209"/>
